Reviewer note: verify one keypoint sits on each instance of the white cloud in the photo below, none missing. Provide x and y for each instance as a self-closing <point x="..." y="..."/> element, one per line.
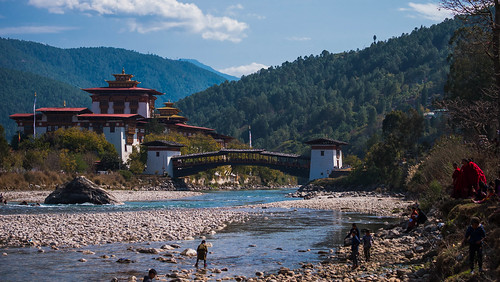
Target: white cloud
<point x="161" y="15"/>
<point x="297" y="38"/>
<point x="256" y="16"/>
<point x="243" y="70"/>
<point x="428" y="11"/>
<point x="34" y="29"/>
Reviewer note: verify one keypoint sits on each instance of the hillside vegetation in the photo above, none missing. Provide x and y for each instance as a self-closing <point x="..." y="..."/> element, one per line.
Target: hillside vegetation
<point x="343" y="96"/>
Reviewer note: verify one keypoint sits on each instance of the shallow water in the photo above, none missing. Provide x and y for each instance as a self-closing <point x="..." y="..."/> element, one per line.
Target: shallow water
<point x="279" y="237"/>
<point x="207" y="200"/>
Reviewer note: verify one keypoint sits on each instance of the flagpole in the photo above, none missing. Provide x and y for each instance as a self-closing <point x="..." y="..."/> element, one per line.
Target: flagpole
<point x="34" y="117"/>
<point x="250" y="136"/>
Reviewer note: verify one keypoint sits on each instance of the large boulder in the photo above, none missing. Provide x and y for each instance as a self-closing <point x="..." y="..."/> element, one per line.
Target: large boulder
<point x="78" y="191"/>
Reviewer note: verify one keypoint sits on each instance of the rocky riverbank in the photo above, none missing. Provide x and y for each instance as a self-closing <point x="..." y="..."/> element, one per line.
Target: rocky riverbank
<point x="120" y="195"/>
<point x="395" y="256"/>
<point x="362" y="202"/>
<point x="76" y="230"/>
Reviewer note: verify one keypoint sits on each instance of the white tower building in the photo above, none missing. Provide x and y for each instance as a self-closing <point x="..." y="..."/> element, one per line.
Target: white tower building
<point x="160" y="154"/>
<point x="326" y="156"/>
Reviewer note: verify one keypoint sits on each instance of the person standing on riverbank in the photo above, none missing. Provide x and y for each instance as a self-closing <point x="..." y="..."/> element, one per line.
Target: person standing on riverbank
<point x="355" y="229"/>
<point x="475" y="236"/>
<point x="201" y="254"/>
<point x="367" y="244"/>
<point x="355" y="249"/>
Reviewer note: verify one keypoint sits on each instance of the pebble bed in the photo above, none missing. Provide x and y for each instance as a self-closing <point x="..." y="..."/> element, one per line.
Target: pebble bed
<point x="76" y="230"/>
<point x="397" y="256"/>
<point x="120" y="195"/>
<point x="349" y="202"/>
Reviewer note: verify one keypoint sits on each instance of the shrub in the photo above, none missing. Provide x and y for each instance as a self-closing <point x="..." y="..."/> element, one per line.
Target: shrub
<point x="432" y="195"/>
<point x="127" y="175"/>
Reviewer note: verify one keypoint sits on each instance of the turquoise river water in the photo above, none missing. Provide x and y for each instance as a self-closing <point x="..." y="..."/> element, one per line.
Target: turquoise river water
<point x="243" y="248"/>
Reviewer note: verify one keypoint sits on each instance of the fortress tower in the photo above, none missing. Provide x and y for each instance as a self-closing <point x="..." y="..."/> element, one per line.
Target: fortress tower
<point x="326" y="156"/>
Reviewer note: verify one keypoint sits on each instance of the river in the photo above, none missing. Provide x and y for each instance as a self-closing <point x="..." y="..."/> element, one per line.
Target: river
<point x="278" y="238"/>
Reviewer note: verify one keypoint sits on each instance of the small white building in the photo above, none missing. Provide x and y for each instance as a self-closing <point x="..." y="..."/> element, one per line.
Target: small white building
<point x="160" y="154"/>
<point x="326" y="156"/>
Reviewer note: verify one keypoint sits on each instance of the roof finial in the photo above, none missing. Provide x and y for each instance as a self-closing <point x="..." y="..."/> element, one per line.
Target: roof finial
<point x="123" y="70"/>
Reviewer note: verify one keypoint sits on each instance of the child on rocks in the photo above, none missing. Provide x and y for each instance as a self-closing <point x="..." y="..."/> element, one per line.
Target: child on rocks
<point x="367" y="244"/>
<point x="475" y="236"/>
<point x="355" y="249"/>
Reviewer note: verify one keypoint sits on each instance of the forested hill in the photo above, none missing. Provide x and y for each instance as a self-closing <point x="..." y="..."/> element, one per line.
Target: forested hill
<point x="50" y="93"/>
<point x="89" y="67"/>
<point x="342" y="96"/>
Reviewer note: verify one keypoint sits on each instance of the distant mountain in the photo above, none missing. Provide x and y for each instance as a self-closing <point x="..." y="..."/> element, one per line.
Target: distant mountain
<point x="342" y="96"/>
<point x="203" y="66"/>
<point x="89" y="67"/>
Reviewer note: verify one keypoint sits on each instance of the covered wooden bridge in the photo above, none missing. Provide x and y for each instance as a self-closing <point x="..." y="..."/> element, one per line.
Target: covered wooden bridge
<point x="292" y="164"/>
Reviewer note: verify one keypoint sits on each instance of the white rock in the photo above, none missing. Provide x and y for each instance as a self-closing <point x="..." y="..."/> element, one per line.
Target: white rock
<point x="189" y="253"/>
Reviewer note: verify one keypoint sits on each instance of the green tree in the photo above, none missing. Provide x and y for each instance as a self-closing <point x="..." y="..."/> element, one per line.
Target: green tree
<point x="480" y="38"/>
<point x="135" y="163"/>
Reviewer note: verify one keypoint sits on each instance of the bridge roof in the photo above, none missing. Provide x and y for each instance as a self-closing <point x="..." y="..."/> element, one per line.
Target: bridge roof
<point x="206" y="154"/>
<point x="242" y="150"/>
<point x="275" y="154"/>
<point x="163" y="143"/>
<point x="325" y="141"/>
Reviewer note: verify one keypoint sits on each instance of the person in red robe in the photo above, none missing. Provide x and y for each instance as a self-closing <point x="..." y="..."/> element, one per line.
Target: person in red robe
<point x="456" y="193"/>
<point x="472" y="175"/>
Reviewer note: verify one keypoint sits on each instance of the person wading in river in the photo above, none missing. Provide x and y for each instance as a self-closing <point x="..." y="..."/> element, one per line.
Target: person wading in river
<point x="201" y="254"/>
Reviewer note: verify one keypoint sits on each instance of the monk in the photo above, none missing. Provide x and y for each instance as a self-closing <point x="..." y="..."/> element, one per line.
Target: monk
<point x="456" y="181"/>
<point x="472" y="175"/>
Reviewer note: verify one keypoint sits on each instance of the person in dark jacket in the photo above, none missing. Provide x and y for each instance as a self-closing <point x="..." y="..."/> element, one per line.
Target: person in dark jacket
<point x="355" y="229"/>
<point x="151" y="275"/>
<point x="201" y="254"/>
<point x="367" y="244"/>
<point x="475" y="236"/>
<point x="355" y="249"/>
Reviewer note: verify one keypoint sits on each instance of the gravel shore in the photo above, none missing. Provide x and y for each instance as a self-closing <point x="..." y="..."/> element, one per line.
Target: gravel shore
<point x="76" y="230"/>
<point x="120" y="195"/>
<point x="396" y="256"/>
<point x="350" y="202"/>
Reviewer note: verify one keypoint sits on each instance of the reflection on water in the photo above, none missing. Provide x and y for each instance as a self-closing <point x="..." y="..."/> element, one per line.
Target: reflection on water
<point x="279" y="237"/>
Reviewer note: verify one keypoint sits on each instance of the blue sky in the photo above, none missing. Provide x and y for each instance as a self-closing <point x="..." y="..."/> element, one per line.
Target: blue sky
<point x="235" y="37"/>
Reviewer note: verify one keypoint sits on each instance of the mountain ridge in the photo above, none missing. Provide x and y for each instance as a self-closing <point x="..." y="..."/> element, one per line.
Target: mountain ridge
<point x="344" y="96"/>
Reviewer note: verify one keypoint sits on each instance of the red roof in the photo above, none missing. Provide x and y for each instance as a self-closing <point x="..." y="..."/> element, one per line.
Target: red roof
<point x="62" y="110"/>
<point x="21" y="116"/>
<point x="124" y="89"/>
<point x="193" y="127"/>
<point x="109" y="115"/>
